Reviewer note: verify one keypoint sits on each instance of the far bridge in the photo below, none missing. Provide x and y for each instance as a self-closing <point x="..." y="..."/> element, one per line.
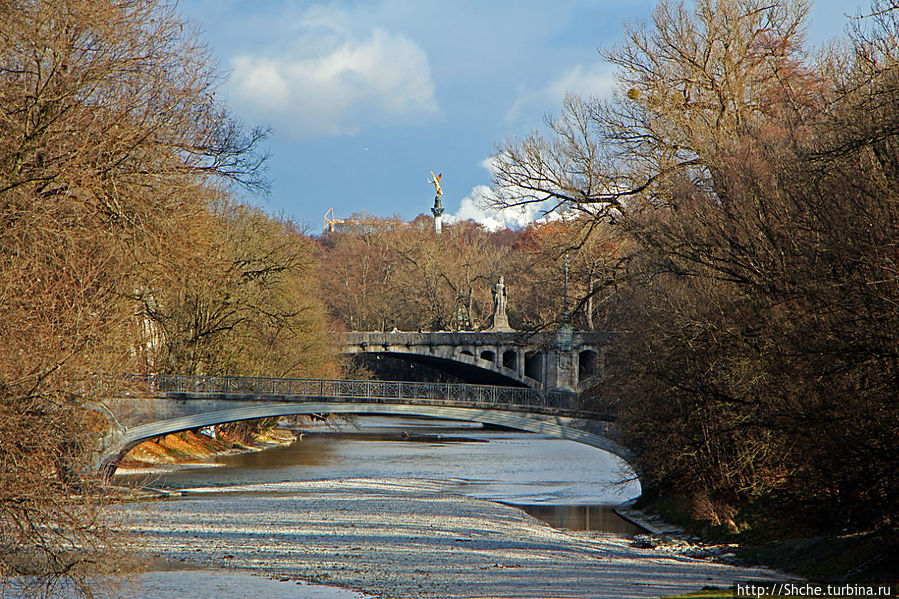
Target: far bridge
<point x="169" y="403"/>
<point x="561" y="360"/>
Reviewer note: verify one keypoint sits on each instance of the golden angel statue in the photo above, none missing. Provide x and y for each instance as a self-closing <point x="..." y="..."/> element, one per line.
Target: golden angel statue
<point x="435" y="179"/>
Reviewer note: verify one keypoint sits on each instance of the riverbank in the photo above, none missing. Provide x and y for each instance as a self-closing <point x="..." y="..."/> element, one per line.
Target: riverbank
<point x="192" y="448"/>
<point x="400" y="538"/>
<point x="852" y="557"/>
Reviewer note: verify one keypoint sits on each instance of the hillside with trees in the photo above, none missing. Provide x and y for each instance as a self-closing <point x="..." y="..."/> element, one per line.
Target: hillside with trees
<point x="384" y="273"/>
<point x="389" y="274"/>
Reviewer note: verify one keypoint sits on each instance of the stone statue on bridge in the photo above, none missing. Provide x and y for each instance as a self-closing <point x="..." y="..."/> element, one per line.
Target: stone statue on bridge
<point x="500" y="299"/>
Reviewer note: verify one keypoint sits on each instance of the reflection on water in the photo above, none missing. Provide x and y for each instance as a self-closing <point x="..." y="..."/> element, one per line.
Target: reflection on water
<point x="311" y="451"/>
<point x="583" y="517"/>
<point x="538" y="473"/>
<point x="321" y="449"/>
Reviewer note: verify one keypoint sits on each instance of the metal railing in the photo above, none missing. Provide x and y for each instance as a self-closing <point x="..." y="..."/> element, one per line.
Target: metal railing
<point x="450" y="394"/>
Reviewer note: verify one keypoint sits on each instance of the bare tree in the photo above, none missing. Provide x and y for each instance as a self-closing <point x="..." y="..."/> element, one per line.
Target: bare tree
<point x="253" y="309"/>
<point x="688" y="85"/>
<point x="756" y="307"/>
<point x="404" y="275"/>
<point x="111" y="145"/>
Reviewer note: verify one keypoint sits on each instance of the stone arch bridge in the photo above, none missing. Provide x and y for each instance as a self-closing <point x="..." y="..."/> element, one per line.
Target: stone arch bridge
<point x="564" y="360"/>
<point x="170" y="404"/>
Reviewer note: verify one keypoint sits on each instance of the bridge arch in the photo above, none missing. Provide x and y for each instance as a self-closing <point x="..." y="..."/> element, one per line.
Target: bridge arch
<point x="472" y="366"/>
<point x="120" y="441"/>
<point x="552" y="360"/>
<point x="588" y="364"/>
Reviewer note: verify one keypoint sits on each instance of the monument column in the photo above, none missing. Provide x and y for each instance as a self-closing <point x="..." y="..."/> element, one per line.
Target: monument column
<point x="437" y="210"/>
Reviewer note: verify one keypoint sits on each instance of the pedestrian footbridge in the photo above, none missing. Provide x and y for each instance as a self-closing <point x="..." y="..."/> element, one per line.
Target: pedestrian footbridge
<point x="166" y="404"/>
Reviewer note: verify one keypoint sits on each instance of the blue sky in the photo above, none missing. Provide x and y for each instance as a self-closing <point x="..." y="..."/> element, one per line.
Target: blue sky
<point x="366" y="98"/>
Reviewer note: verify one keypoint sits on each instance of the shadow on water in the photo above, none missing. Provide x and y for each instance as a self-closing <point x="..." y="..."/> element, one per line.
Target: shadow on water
<point x="318" y="449"/>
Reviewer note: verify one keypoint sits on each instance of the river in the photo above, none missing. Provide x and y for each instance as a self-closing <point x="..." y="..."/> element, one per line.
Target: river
<point x="406" y="508"/>
<point x="561" y="482"/>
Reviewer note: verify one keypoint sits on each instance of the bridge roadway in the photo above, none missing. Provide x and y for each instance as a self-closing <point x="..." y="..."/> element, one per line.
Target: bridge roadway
<point x="168" y="404"/>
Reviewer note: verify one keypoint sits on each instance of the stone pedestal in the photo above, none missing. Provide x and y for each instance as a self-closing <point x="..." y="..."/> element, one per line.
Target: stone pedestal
<point x="500" y="319"/>
<point x="437" y="211"/>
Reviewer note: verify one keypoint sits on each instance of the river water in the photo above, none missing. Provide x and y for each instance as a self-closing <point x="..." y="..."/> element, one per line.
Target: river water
<point x="563" y="483"/>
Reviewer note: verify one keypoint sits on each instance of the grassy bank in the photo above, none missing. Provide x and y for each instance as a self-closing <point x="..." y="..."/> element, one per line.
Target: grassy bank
<point x="869" y="556"/>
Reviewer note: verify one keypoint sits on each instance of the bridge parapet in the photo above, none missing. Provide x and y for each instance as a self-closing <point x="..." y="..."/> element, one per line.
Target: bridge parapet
<point x="285" y="389"/>
<point x="522" y="338"/>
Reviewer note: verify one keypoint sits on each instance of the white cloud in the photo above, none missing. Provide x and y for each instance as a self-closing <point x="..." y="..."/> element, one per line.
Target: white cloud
<point x="262" y="82"/>
<point x="481" y="206"/>
<point x="350" y="84"/>
<point x="475" y="208"/>
<point x="595" y="80"/>
<point x="592" y="80"/>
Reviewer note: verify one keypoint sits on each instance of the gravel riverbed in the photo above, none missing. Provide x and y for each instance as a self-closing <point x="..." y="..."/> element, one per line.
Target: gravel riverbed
<point x="395" y="539"/>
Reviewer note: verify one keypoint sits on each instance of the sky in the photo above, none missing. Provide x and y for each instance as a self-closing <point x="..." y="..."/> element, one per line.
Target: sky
<point x="365" y="99"/>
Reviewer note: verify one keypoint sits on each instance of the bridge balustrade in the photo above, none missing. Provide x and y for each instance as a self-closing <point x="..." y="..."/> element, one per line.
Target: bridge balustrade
<point x="458" y="394"/>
